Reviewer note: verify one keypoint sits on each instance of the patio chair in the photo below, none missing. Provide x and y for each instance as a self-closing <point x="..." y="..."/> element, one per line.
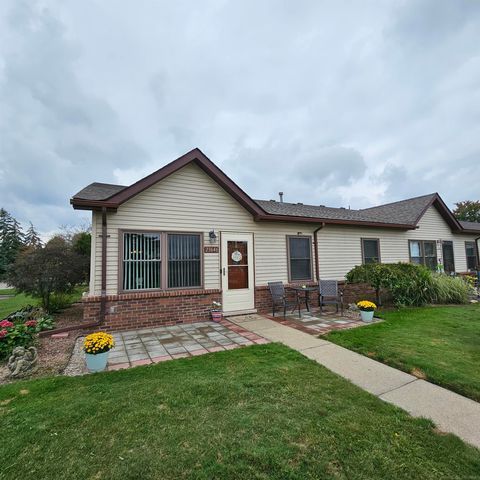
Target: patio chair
<point x="279" y="298"/>
<point x="329" y="294"/>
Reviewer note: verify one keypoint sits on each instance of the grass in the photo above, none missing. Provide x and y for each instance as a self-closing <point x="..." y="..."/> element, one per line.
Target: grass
<point x="262" y="412"/>
<point x="440" y="343"/>
<point x="7" y="291"/>
<point x="10" y="305"/>
<point x="20" y="300"/>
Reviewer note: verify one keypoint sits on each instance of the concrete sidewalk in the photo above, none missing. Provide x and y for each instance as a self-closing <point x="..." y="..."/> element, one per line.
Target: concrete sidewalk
<point x="450" y="412"/>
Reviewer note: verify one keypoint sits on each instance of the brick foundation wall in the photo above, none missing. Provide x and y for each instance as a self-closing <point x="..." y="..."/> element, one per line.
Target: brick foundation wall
<point x="263" y="299"/>
<point x="140" y="310"/>
<point x="352" y="293"/>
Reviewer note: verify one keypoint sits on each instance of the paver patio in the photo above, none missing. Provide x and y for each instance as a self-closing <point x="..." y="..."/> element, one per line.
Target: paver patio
<point x="316" y="323"/>
<point x="153" y="345"/>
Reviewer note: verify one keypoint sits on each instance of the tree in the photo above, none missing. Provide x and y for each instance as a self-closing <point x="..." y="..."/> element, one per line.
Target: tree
<point x="81" y="243"/>
<point x="32" y="239"/>
<point x="468" y="210"/>
<point x="53" y="269"/>
<point x="11" y="240"/>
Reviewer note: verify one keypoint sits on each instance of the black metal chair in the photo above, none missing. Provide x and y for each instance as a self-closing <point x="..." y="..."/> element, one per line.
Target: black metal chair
<point x="330" y="294"/>
<point x="279" y="297"/>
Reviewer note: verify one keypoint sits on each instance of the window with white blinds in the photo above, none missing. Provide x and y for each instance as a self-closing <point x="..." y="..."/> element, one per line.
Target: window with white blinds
<point x="141" y="261"/>
<point x="183" y="261"/>
<point x="145" y="269"/>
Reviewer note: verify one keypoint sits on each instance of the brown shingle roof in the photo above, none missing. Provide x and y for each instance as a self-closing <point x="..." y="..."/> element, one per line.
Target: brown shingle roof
<point x="470" y="226"/>
<point x="98" y="191"/>
<point x="403" y="214"/>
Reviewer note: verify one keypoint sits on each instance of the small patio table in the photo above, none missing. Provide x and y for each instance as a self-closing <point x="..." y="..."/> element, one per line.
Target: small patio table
<point x="303" y="298"/>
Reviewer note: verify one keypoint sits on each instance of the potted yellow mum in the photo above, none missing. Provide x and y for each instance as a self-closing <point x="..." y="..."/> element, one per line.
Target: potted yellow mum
<point x="367" y="309"/>
<point x="96" y="347"/>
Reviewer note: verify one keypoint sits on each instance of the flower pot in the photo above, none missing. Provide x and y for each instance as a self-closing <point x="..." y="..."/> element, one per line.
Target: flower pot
<point x="96" y="363"/>
<point x="216" y="316"/>
<point x="367" y="317"/>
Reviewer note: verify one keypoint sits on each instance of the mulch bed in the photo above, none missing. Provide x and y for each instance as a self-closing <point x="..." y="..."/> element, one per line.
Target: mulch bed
<point x="54" y="353"/>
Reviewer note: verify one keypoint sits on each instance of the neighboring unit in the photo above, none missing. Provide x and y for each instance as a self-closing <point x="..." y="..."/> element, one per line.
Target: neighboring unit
<point x="166" y="247"/>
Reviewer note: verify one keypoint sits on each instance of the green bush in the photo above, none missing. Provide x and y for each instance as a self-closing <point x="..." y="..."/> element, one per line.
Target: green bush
<point x="410" y="284"/>
<point x="19" y="329"/>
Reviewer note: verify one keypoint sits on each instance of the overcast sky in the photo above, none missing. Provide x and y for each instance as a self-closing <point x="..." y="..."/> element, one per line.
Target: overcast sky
<point x="337" y="103"/>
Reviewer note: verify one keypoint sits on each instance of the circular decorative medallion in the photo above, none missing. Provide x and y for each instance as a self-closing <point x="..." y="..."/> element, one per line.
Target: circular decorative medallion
<point x="236" y="256"/>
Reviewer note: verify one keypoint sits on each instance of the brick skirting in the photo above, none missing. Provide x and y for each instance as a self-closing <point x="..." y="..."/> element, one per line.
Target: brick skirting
<point x="147" y="309"/>
<point x="139" y="310"/>
<point x="352" y="293"/>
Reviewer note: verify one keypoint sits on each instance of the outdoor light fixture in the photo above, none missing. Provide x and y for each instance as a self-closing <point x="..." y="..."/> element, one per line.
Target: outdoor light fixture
<point x="212" y="235"/>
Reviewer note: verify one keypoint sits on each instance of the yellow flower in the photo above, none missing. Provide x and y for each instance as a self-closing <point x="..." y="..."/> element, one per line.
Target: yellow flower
<point x="366" y="305"/>
<point x="98" y="342"/>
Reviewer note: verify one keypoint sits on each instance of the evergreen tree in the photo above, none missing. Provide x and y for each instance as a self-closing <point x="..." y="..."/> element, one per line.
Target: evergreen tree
<point x="11" y="240"/>
<point x="32" y="239"/>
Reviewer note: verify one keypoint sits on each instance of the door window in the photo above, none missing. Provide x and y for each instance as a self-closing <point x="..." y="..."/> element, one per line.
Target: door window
<point x="237" y="261"/>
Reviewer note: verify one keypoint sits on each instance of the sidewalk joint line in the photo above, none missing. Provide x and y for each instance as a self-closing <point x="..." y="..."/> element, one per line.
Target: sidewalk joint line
<point x="315" y="346"/>
<point x="396" y="388"/>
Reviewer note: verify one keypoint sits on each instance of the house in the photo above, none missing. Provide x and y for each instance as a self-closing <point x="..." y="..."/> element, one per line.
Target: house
<point x="166" y="247"/>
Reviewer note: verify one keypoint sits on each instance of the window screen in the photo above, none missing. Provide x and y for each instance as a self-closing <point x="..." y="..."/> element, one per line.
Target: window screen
<point x="300" y="253"/>
<point x="183" y="261"/>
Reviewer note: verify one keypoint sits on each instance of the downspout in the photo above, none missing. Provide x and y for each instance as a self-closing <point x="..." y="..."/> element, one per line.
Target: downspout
<point x="103" y="294"/>
<point x="315" y="250"/>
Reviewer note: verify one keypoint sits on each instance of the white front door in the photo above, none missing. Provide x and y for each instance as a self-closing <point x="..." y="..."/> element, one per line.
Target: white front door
<point x="238" y="284"/>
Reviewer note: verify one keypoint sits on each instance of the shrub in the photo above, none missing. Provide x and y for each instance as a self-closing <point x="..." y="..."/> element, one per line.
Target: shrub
<point x="44" y="271"/>
<point x="15" y="335"/>
<point x="19" y="329"/>
<point x="410" y="284"/>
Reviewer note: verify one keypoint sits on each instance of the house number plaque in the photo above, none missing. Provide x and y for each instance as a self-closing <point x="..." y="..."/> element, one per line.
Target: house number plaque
<point x="210" y="249"/>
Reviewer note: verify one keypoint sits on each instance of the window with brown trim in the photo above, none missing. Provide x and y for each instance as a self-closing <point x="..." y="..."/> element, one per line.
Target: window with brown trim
<point x="370" y="250"/>
<point x="156" y="260"/>
<point x="423" y="252"/>
<point x="471" y="253"/>
<point x="300" y="258"/>
<point x="184" y="261"/>
<point x="141" y="261"/>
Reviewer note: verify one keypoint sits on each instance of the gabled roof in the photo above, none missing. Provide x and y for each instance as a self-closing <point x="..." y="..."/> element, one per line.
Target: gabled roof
<point x="404" y="214"/>
<point x="92" y="197"/>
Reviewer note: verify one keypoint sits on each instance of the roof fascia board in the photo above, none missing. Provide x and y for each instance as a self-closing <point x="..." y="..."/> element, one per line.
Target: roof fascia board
<point x="291" y="218"/>
<point x="194" y="156"/>
<point x="444" y="211"/>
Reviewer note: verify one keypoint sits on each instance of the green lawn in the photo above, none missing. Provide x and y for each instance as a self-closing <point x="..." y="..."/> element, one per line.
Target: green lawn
<point x="262" y="412"/>
<point x="7" y="291"/>
<point x="10" y="305"/>
<point x="443" y="343"/>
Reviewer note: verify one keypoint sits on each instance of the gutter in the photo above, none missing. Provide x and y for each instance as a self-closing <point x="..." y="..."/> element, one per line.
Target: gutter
<point x="103" y="298"/>
<point x="315" y="250"/>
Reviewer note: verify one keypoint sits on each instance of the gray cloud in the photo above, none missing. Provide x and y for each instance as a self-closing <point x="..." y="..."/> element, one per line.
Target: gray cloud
<point x="334" y="103"/>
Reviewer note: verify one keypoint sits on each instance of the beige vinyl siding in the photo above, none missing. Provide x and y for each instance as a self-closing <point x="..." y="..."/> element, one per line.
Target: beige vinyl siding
<point x="190" y="201"/>
<point x="340" y="249"/>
